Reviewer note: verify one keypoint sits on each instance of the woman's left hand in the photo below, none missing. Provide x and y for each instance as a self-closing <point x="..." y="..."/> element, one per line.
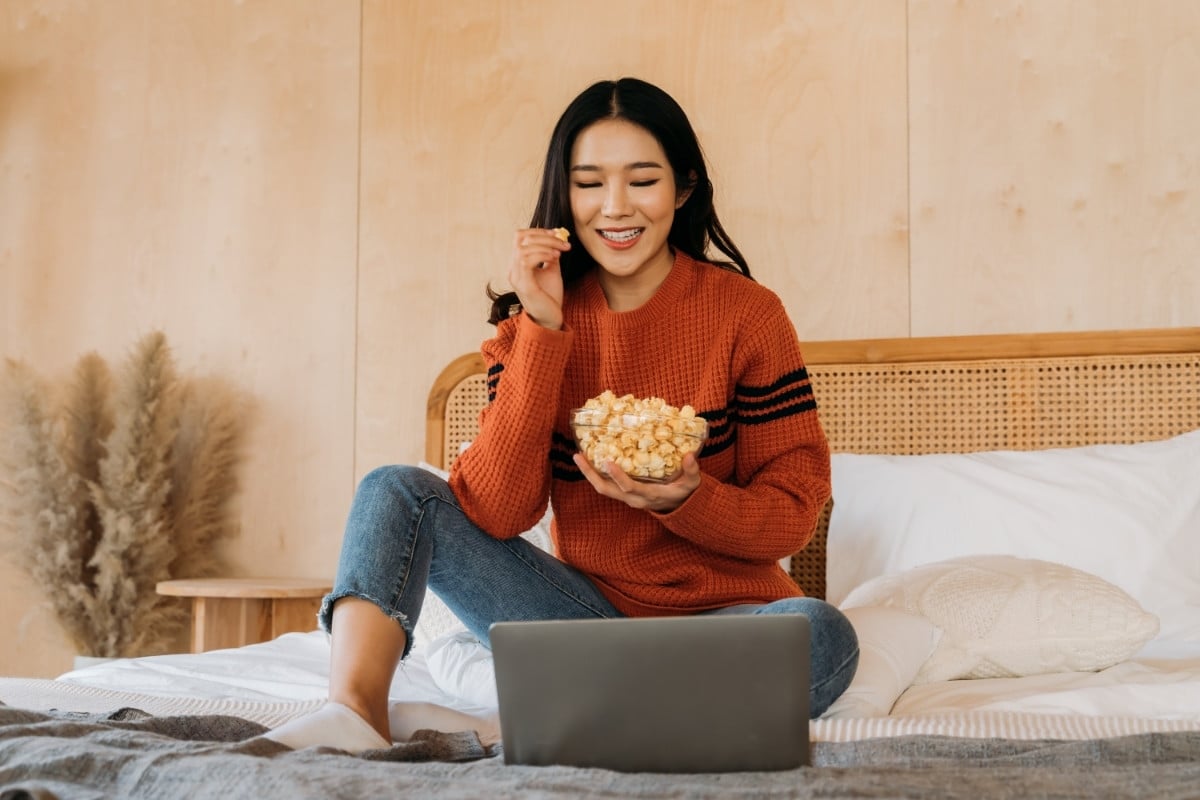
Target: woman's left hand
<point x="660" y="497"/>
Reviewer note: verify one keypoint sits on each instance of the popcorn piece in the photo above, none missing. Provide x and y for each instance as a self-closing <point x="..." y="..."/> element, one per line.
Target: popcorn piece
<point x="562" y="233"/>
<point x="646" y="437"/>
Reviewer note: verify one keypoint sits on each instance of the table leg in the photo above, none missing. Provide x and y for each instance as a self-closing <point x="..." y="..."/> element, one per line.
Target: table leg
<point x="291" y="614"/>
<point x="221" y="622"/>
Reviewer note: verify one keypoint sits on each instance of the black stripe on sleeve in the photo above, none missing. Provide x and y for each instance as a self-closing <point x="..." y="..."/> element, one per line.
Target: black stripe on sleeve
<point x="493" y="380"/>
<point x="798" y="376"/>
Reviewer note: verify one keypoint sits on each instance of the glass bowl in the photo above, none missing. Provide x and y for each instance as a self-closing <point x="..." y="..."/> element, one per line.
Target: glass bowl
<point x="647" y="445"/>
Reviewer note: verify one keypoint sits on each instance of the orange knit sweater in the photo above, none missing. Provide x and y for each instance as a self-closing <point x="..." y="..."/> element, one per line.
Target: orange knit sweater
<point x="708" y="337"/>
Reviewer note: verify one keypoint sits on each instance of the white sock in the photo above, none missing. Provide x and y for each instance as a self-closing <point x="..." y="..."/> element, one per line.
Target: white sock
<point x="332" y="725"/>
<point x="406" y="718"/>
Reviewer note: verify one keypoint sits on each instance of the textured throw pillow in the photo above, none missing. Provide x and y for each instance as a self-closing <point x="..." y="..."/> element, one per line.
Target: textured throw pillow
<point x="893" y="645"/>
<point x="1002" y="616"/>
<point x="1129" y="514"/>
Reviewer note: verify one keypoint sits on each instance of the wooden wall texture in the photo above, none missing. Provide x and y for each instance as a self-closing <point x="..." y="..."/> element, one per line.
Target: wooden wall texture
<point x="309" y="197"/>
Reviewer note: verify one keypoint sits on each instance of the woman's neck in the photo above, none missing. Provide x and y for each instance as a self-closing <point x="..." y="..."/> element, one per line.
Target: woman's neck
<point x="630" y="292"/>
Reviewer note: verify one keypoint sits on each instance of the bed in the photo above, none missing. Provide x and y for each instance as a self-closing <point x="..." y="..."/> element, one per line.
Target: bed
<point x="1014" y="531"/>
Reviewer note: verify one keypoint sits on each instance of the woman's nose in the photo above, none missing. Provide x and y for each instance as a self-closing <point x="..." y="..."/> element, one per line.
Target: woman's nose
<point x="616" y="201"/>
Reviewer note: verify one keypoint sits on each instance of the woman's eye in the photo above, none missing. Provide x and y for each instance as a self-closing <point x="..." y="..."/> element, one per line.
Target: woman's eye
<point x="644" y="183"/>
<point x="586" y="185"/>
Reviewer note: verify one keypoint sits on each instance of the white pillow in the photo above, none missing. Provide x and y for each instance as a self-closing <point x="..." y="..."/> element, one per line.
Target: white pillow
<point x="1002" y="617"/>
<point x="892" y="647"/>
<point x="436" y="617"/>
<point x="1129" y="514"/>
<point x="463" y="668"/>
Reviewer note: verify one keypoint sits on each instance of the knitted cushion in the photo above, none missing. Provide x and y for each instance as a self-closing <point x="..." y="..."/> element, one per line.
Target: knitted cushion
<point x="1003" y="616"/>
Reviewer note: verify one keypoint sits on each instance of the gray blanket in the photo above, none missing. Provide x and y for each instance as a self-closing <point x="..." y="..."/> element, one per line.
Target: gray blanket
<point x="129" y="754"/>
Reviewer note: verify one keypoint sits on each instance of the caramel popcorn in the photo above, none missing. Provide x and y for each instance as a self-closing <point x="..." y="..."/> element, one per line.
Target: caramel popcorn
<point x="562" y="233"/>
<point x="647" y="437"/>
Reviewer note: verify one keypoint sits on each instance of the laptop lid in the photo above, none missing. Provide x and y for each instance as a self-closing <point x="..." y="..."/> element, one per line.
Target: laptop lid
<point x="709" y="693"/>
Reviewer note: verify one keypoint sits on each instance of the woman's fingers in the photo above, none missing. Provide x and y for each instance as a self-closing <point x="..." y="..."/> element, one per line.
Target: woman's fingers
<point x="534" y="274"/>
<point x="660" y="497"/>
<point x="536" y="248"/>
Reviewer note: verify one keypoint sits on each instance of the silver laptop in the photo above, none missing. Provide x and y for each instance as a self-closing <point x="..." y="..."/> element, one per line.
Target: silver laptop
<point x="710" y="693"/>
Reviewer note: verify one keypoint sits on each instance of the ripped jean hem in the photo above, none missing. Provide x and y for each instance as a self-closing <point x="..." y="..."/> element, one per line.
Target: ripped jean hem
<point x="325" y="615"/>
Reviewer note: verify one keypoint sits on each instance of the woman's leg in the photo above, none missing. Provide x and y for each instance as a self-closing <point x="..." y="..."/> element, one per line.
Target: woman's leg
<point x="406" y="531"/>
<point x="834" y="646"/>
<point x="363" y="659"/>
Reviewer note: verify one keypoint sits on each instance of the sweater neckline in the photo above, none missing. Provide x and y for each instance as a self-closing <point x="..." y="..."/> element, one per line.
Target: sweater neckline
<point x="663" y="302"/>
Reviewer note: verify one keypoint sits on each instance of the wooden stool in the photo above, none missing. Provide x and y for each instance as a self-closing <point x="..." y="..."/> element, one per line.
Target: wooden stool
<point x="231" y="612"/>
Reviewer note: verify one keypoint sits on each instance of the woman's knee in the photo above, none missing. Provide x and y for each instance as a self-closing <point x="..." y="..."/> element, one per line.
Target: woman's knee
<point x="834" y="647"/>
<point x="403" y="478"/>
<point x="387" y="511"/>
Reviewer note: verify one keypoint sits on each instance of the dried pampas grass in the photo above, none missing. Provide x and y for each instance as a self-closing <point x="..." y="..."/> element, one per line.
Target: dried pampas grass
<point x="125" y="481"/>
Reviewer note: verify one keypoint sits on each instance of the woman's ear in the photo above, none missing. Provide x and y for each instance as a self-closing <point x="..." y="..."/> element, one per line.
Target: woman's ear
<point x="686" y="192"/>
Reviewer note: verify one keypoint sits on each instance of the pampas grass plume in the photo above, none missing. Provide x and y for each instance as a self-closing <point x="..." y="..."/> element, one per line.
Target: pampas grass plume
<point x="86" y="422"/>
<point x="37" y="499"/>
<point x="204" y="483"/>
<point x="136" y="550"/>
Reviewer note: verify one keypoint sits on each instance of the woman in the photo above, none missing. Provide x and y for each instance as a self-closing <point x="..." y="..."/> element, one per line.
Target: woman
<point x="631" y="302"/>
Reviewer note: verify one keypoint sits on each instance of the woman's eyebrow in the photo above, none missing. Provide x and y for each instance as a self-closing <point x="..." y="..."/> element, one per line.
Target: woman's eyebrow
<point x="634" y="165"/>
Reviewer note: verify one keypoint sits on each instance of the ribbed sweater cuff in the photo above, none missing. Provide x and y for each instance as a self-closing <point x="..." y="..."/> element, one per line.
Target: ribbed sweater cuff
<point x="696" y="513"/>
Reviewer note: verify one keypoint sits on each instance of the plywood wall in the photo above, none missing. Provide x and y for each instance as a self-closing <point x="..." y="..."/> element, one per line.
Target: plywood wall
<point x="191" y="167"/>
<point x="309" y="197"/>
<point x="1055" y="165"/>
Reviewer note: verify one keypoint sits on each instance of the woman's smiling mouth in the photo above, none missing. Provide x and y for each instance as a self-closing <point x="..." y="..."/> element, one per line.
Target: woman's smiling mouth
<point x="622" y="238"/>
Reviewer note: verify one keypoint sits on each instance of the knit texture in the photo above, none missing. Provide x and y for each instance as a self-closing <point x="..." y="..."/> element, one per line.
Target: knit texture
<point x="708" y="337"/>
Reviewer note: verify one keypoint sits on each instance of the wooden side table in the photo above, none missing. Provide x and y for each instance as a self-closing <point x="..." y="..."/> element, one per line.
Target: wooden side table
<point x="231" y="612"/>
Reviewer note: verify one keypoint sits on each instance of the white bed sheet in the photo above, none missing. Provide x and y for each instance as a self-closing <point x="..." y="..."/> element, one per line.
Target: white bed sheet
<point x="293" y="667"/>
<point x="1157" y="689"/>
<point x="276" y="680"/>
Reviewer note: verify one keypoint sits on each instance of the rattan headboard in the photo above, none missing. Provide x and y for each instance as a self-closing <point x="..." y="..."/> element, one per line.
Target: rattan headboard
<point x="945" y="395"/>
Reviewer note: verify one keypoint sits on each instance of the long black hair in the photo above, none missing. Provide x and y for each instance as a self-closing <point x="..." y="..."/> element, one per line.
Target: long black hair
<point x="695" y="225"/>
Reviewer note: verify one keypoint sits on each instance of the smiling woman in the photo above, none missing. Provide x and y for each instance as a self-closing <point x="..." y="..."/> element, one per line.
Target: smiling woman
<point x="635" y="307"/>
<point x="673" y="151"/>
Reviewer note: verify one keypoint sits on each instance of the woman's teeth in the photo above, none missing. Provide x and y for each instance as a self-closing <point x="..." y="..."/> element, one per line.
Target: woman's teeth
<point x="622" y="236"/>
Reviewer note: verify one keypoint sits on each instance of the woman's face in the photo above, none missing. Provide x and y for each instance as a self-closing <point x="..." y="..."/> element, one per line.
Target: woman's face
<point x="623" y="200"/>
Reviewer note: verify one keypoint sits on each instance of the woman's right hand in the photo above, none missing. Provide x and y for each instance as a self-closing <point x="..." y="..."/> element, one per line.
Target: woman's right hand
<point x="536" y="276"/>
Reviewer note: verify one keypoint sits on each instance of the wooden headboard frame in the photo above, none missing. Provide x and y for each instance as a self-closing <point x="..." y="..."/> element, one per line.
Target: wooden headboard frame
<point x="952" y="394"/>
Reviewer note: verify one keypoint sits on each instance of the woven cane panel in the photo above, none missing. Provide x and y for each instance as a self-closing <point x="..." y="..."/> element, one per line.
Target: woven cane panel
<point x="463" y="405"/>
<point x="1019" y="404"/>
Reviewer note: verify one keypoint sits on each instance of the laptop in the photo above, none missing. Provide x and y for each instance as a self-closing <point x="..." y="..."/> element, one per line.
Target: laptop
<point x="708" y="693"/>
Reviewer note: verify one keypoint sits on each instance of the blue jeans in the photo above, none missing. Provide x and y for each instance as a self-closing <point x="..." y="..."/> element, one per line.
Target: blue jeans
<point x="407" y="532"/>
